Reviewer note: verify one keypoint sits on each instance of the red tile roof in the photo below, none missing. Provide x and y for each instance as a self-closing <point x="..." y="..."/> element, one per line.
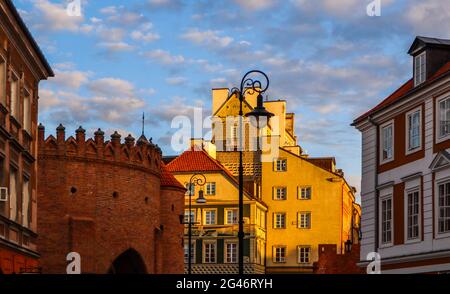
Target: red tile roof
<point x="194" y="160"/>
<point x="402" y="91"/>
<point x="167" y="179"/>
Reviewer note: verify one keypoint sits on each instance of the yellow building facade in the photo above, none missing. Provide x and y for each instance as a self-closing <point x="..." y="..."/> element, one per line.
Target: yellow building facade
<point x="215" y="223"/>
<point x="309" y="201"/>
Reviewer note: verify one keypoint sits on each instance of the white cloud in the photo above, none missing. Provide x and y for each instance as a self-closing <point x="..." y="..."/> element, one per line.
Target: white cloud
<point x="143" y="33"/>
<point x="209" y="38"/>
<point x="72" y="79"/>
<point x="164" y="57"/>
<point x="176" y="81"/>
<point x="113" y="47"/>
<point x="254" y="5"/>
<point x="112" y="87"/>
<point x="52" y="16"/>
<point x="429" y="17"/>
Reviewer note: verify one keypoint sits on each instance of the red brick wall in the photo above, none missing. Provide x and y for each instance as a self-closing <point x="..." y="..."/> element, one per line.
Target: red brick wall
<point x="172" y="206"/>
<point x="332" y="263"/>
<point x="116" y="206"/>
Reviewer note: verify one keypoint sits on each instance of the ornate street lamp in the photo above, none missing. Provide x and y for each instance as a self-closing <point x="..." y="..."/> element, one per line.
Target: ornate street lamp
<point x="196" y="180"/>
<point x="251" y="86"/>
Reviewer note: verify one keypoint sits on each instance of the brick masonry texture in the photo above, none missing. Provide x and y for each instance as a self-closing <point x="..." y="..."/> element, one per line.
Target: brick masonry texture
<point x="101" y="199"/>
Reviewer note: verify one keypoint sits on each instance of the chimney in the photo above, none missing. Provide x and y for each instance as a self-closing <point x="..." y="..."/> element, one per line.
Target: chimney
<point x="197" y="144"/>
<point x="41" y="134"/>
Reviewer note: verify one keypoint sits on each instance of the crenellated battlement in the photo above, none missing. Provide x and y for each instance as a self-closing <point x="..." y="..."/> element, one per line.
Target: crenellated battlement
<point x="140" y="153"/>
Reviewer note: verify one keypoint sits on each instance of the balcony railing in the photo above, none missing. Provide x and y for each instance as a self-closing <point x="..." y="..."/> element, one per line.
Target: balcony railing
<point x="224" y="230"/>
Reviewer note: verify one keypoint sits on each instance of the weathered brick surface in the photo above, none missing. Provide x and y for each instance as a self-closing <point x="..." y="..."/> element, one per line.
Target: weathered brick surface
<point x="102" y="198"/>
<point x="332" y="263"/>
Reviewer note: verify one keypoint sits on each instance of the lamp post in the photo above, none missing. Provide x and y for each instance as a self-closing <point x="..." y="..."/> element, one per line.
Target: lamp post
<point x="252" y="86"/>
<point x="195" y="180"/>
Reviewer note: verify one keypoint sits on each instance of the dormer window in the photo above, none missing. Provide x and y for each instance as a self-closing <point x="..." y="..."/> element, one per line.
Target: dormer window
<point x="420" y="68"/>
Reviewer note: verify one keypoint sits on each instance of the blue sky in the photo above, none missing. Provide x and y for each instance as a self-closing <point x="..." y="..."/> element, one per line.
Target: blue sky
<point x="327" y="58"/>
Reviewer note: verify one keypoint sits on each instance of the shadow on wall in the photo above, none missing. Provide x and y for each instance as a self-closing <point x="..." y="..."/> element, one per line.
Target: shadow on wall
<point x="129" y="262"/>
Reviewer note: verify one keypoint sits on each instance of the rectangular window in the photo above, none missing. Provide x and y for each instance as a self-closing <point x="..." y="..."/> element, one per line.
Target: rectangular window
<point x="190" y="189"/>
<point x="279" y="220"/>
<point x="412" y="215"/>
<point x="279" y="254"/>
<point x="3" y="183"/>
<point x="26" y="122"/>
<point x="26" y="207"/>
<point x="234" y="136"/>
<point x="304" y="254"/>
<point x="211" y="188"/>
<point x="15" y="97"/>
<point x="232" y="216"/>
<point x="413" y="124"/>
<point x="304" y="220"/>
<point x="280" y="193"/>
<point x="2" y="81"/>
<point x="210" y="252"/>
<point x="444" y="117"/>
<point x="186" y="216"/>
<point x="210" y="217"/>
<point x="231" y="252"/>
<point x="13" y="195"/>
<point x="387" y="142"/>
<point x="186" y="252"/>
<point x="281" y="165"/>
<point x="444" y="208"/>
<point x="305" y="193"/>
<point x="386" y="220"/>
<point x="419" y="69"/>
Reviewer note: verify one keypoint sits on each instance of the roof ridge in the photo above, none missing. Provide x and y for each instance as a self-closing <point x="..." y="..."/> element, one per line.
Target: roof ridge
<point x="404" y="90"/>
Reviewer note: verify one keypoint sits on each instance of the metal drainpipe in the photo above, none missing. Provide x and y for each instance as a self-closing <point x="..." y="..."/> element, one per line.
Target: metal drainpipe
<point x="377" y="194"/>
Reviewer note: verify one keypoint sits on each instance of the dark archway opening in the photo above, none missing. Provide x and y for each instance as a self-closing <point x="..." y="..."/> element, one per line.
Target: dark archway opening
<point x="129" y="262"/>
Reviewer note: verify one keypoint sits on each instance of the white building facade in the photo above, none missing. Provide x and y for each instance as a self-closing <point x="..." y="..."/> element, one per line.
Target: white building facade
<point x="405" y="189"/>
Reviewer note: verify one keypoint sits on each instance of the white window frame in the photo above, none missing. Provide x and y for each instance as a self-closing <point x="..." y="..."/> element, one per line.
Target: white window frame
<point x="418" y="70"/>
<point x="275" y="193"/>
<point x="383" y="198"/>
<point x="186" y="250"/>
<point x="186" y="216"/>
<point x="440" y="138"/>
<point x="190" y="188"/>
<point x="225" y="251"/>
<point x="227" y="221"/>
<point x="406" y="216"/>
<point x="439" y="235"/>
<point x="382" y="127"/>
<point x="27" y="101"/>
<point x="284" y="258"/>
<point x="283" y="168"/>
<point x="302" y="189"/>
<point x="204" y="251"/>
<point x="408" y="115"/>
<point x="299" y="254"/>
<point x="205" y="211"/>
<point x="307" y="220"/>
<point x="275" y="220"/>
<point x="15" y="77"/>
<point x="211" y="188"/>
